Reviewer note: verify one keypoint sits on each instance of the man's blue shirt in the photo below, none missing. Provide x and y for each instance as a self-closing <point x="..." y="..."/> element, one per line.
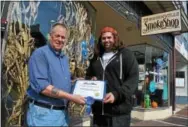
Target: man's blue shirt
<point x="48" y="67"/>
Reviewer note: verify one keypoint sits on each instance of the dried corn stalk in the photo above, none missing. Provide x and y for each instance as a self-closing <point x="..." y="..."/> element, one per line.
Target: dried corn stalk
<point x="18" y="50"/>
<point x="19" y="45"/>
<point x="78" y="32"/>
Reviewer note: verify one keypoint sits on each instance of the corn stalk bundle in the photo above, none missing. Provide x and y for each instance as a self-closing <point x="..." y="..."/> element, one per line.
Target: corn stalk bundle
<point x="79" y="30"/>
<point x="19" y="45"/>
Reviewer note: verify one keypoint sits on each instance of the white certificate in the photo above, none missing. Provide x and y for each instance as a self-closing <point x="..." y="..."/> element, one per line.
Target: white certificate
<point x="95" y="89"/>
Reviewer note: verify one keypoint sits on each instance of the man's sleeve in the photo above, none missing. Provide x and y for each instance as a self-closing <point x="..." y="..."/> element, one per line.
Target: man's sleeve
<point x="38" y="71"/>
<point x="88" y="73"/>
<point x="89" y="70"/>
<point x="130" y="84"/>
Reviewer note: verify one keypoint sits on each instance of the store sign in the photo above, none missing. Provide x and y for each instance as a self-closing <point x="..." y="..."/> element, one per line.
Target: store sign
<point x="161" y="23"/>
<point x="180" y="47"/>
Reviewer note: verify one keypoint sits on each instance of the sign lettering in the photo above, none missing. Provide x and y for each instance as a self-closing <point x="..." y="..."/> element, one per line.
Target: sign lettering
<point x="161" y="23"/>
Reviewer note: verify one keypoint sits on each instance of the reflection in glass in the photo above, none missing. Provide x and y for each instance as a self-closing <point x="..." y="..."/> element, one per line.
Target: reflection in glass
<point x="153" y="76"/>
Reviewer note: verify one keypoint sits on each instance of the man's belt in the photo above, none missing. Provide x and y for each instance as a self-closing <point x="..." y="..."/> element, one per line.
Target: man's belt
<point x="47" y="105"/>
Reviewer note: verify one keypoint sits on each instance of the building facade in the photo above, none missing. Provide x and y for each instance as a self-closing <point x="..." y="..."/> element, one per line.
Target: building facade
<point x="162" y="57"/>
<point x="156" y="54"/>
<point x="181" y="46"/>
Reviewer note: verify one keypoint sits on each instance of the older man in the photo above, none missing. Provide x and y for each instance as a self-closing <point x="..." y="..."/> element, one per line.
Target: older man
<point x="50" y="85"/>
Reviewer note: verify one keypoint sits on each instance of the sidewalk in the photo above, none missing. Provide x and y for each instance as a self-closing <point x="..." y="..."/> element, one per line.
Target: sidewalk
<point x="180" y="118"/>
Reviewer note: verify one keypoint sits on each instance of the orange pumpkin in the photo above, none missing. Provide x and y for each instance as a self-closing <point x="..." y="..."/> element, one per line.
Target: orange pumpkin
<point x="154" y="104"/>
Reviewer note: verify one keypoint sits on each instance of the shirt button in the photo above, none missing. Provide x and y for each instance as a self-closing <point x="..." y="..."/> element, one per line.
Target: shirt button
<point x="65" y="77"/>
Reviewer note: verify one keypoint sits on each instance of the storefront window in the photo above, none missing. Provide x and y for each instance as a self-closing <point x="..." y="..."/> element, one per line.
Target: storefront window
<point x="153" y="76"/>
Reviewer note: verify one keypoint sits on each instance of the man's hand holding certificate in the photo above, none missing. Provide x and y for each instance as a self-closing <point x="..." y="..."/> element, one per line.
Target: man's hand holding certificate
<point x="89" y="88"/>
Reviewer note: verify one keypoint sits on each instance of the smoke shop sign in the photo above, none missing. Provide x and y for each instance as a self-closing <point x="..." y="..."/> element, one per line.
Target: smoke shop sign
<point x="161" y="23"/>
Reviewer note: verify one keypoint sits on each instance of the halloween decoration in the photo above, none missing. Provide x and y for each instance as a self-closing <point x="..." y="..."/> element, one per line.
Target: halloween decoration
<point x="147" y="102"/>
<point x="154" y="104"/>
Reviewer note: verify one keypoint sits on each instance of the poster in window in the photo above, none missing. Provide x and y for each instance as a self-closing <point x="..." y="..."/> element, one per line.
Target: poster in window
<point x="141" y="68"/>
<point x="141" y="71"/>
<point x="180" y="82"/>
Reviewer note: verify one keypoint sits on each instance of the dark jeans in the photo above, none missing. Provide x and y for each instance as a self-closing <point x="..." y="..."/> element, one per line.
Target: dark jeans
<point x="108" y="121"/>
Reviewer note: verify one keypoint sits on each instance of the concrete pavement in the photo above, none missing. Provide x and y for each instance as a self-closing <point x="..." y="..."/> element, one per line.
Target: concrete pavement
<point x="180" y="118"/>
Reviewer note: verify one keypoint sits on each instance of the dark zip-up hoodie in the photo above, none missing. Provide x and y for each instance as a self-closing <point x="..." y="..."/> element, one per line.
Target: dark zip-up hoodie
<point x="121" y="76"/>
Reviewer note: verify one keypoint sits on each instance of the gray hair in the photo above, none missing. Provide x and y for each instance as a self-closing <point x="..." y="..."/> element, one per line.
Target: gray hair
<point x="58" y="24"/>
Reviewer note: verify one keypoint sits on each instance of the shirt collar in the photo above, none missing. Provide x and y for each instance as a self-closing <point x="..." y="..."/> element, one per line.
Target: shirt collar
<point x="60" y="53"/>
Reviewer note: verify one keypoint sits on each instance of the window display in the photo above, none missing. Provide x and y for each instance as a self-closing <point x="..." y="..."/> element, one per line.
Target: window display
<point x="153" y="76"/>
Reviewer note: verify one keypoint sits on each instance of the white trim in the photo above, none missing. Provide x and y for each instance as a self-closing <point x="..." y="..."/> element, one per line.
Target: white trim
<point x="102" y="64"/>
